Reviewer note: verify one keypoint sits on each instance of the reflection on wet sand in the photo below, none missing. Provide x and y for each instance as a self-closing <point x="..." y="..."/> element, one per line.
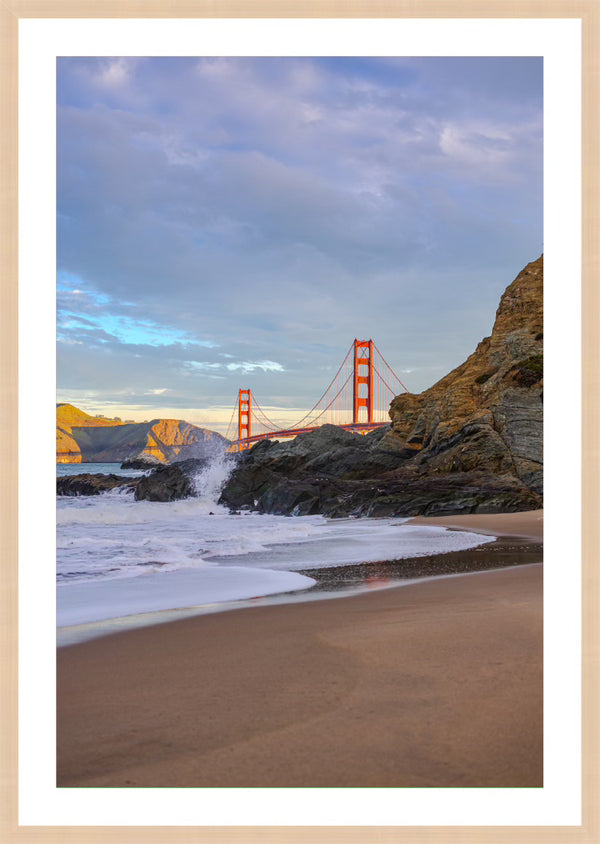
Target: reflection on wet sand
<point x="503" y="553"/>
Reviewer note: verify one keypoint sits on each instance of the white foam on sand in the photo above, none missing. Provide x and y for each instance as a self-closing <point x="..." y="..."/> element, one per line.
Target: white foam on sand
<point x="117" y="557"/>
<point x="88" y="601"/>
<point x="341" y="542"/>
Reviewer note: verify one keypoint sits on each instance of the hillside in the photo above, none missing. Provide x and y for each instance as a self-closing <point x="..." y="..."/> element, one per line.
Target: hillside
<point x="67" y="417"/>
<point x="81" y="438"/>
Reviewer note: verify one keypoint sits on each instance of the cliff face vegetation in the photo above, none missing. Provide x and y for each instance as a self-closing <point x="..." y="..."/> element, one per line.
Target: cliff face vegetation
<point x="487" y="413"/>
<point x="81" y="438"/>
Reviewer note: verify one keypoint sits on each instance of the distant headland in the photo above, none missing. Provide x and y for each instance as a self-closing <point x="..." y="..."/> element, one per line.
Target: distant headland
<point x="81" y="438"/>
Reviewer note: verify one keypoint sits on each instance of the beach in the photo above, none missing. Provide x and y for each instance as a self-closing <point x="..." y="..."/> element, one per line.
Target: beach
<point x="437" y="683"/>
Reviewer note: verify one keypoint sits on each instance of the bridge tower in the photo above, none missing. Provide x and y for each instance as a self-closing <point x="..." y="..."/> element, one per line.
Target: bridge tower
<point x="244" y="411"/>
<point x="363" y="378"/>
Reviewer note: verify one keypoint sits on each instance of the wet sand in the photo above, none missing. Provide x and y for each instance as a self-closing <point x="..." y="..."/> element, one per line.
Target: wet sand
<point x="436" y="684"/>
<point x="529" y="524"/>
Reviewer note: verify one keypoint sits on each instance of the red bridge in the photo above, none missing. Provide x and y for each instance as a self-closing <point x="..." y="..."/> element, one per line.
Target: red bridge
<point x="357" y="399"/>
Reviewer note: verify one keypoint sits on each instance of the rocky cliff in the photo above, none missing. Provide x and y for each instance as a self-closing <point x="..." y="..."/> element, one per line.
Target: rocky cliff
<point x="81" y="438"/>
<point x="487" y="413"/>
<point x="471" y="443"/>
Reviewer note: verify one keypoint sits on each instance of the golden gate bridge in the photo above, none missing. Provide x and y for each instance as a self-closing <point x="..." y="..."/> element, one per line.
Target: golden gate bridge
<point x="357" y="399"/>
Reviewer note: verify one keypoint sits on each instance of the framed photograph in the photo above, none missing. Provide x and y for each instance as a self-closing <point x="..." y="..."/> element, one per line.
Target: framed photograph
<point x="312" y="297"/>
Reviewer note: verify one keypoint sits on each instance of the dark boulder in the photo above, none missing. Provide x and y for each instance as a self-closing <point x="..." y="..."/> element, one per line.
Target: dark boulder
<point x="304" y="446"/>
<point x="165" y="483"/>
<point x="87" y="484"/>
<point x="443" y="495"/>
<point x="246" y="484"/>
<point x="340" y="476"/>
<point x="328" y="452"/>
<point x="141" y="461"/>
<point x="353" y="462"/>
<point x="169" y="483"/>
<point x="400" y="496"/>
<point x="294" y="498"/>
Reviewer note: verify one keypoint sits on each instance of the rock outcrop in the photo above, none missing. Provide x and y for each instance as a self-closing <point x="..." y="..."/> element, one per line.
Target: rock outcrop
<point x="487" y="414"/>
<point x="142" y="462"/>
<point x="362" y="478"/>
<point x="169" y="483"/>
<point x="81" y="438"/>
<point x="471" y="443"/>
<point x="164" y="483"/>
<point x="88" y="484"/>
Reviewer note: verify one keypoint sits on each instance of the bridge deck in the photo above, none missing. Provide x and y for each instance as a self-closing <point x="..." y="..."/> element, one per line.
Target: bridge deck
<point x="356" y="427"/>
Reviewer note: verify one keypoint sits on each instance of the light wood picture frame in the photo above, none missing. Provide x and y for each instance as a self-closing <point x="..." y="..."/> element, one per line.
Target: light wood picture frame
<point x="588" y="12"/>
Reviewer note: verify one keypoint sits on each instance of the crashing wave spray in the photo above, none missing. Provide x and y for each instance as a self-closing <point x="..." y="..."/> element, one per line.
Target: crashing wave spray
<point x="212" y="475"/>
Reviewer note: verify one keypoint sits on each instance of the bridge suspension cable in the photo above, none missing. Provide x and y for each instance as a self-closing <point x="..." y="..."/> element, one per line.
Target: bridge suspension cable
<point x="306" y="417"/>
<point x="389" y="368"/>
<point x="357" y="398"/>
<point x="262" y="417"/>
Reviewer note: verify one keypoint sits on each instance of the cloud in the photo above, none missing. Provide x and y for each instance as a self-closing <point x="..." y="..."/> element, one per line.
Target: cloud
<point x="249" y="366"/>
<point x="82" y="309"/>
<point x="222" y="217"/>
<point x="114" y="72"/>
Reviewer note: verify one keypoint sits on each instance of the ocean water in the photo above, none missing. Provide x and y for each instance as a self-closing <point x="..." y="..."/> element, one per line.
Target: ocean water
<point x="64" y="469"/>
<point x="117" y="557"/>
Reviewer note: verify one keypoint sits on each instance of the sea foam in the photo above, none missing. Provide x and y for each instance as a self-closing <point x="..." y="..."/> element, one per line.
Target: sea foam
<point x="117" y="556"/>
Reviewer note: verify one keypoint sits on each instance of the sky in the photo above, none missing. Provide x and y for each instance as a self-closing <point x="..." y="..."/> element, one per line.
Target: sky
<point x="227" y="223"/>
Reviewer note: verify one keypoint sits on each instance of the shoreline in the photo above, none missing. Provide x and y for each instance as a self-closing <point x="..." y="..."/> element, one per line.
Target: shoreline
<point x="518" y="542"/>
<point x="439" y="685"/>
<point x="502" y="552"/>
